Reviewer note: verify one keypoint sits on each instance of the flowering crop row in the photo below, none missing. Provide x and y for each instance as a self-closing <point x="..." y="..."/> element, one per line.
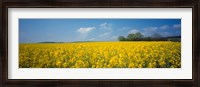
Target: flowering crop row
<point x="101" y="55"/>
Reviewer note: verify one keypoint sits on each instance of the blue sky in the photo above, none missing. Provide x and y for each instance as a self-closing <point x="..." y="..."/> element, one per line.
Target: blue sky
<point x="68" y="30"/>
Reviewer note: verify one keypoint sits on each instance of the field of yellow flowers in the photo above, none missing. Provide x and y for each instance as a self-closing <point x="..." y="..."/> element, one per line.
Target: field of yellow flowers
<point x="101" y="55"/>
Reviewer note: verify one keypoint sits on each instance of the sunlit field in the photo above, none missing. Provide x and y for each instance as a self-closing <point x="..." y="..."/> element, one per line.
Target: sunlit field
<point x="101" y="55"/>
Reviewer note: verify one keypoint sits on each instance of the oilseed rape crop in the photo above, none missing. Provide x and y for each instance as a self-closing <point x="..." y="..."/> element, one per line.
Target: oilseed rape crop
<point x="139" y="54"/>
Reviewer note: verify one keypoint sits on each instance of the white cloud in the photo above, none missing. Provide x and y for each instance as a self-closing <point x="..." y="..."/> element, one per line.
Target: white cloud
<point x="150" y="28"/>
<point x="114" y="37"/>
<point x="105" y="34"/>
<point x="91" y="39"/>
<point x="106" y="26"/>
<point x="164" y="27"/>
<point x="148" y="31"/>
<point x="133" y="31"/>
<point x="85" y="30"/>
<point x="106" y="29"/>
<point x="166" y="34"/>
<point x="126" y="28"/>
<point x="176" y="26"/>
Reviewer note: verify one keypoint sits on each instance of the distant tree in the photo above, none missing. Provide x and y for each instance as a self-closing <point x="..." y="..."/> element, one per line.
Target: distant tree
<point x="136" y="36"/>
<point x="156" y="35"/>
<point x="146" y="39"/>
<point x="121" y="38"/>
<point x="174" y="39"/>
<point x="131" y="37"/>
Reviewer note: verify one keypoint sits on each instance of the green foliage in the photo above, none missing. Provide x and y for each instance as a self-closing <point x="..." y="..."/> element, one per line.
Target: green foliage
<point x="137" y="36"/>
<point x="174" y="39"/>
<point x="121" y="38"/>
<point x="154" y="37"/>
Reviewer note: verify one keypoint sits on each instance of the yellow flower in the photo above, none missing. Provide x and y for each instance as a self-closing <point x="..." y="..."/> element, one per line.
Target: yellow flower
<point x="101" y="55"/>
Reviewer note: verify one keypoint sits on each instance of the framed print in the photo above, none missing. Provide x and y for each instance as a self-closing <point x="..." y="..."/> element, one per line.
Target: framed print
<point x="129" y="43"/>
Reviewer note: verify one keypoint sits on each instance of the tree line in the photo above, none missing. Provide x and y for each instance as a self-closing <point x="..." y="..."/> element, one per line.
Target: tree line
<point x="154" y="37"/>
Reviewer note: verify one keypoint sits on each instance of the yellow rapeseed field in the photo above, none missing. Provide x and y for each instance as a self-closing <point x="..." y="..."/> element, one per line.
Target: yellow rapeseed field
<point x="101" y="55"/>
